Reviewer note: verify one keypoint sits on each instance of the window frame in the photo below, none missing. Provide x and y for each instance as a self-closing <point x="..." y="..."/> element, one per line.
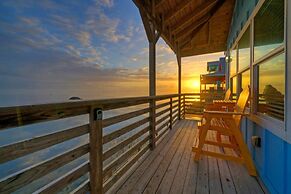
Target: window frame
<point x="276" y="126"/>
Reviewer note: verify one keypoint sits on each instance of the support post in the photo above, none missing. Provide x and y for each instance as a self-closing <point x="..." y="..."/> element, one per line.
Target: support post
<point x="153" y="37"/>
<point x="179" y="83"/>
<point x="171" y="113"/>
<point x="96" y="151"/>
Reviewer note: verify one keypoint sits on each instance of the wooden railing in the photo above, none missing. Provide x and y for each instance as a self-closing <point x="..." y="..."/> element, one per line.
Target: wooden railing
<point x="139" y="124"/>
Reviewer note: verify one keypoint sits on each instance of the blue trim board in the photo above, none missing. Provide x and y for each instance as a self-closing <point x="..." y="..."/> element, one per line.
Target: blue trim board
<point x="272" y="159"/>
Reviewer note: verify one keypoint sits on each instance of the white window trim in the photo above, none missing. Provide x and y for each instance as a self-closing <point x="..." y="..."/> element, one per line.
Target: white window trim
<point x="288" y="69"/>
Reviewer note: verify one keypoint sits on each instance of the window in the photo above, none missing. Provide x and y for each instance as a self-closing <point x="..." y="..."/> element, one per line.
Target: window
<point x="272" y="87"/>
<point x="233" y="62"/>
<point x="245" y="79"/>
<point x="234" y="84"/>
<point x="244" y="50"/>
<point x="269" y="27"/>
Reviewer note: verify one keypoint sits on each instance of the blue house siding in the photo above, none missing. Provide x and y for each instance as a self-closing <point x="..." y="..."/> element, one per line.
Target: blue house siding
<point x="241" y="14"/>
<point x="272" y="159"/>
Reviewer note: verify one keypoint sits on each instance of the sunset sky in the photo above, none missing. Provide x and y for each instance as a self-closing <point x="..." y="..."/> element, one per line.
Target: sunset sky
<point x="51" y="50"/>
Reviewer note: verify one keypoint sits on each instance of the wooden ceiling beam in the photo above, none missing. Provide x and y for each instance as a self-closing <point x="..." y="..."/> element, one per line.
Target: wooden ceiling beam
<point x="198" y="12"/>
<point x="159" y="3"/>
<point x="197" y="24"/>
<point x="157" y="22"/>
<point x="171" y="14"/>
<point x="186" y="43"/>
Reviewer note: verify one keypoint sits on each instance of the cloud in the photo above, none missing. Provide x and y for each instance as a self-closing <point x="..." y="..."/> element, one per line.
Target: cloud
<point x="84" y="38"/>
<point x="106" y="3"/>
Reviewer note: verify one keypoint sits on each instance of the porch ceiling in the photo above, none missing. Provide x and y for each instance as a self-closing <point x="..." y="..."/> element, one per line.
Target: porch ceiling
<point x="190" y="27"/>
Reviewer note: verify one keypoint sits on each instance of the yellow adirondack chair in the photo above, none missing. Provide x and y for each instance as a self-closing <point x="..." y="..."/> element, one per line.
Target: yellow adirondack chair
<point x="228" y="124"/>
<point x="225" y="104"/>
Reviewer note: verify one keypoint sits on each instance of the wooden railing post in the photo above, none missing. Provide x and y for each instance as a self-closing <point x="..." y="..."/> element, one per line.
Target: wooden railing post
<point x="96" y="151"/>
<point x="179" y="107"/>
<point x="184" y="99"/>
<point x="171" y="113"/>
<point x="153" y="123"/>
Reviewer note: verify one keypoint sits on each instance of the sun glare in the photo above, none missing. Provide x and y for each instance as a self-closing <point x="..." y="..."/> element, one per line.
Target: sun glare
<point x="195" y="84"/>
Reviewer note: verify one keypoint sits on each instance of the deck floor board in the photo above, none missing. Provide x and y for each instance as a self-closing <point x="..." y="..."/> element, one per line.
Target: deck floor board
<point x="170" y="168"/>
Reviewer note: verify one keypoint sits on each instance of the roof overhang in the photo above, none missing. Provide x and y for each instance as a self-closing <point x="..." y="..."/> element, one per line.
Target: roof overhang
<point x="190" y="27"/>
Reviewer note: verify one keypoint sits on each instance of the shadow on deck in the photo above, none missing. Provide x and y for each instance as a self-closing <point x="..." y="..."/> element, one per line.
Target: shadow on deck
<point x="170" y="168"/>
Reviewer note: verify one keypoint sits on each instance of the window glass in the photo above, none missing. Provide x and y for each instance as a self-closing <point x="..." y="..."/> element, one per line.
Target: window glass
<point x="272" y="87"/>
<point x="234" y="83"/>
<point x="245" y="79"/>
<point x="244" y="50"/>
<point x="268" y="27"/>
<point x="233" y="62"/>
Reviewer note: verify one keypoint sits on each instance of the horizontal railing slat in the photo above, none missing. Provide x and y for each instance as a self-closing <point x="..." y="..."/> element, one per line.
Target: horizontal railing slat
<point x="162" y="112"/>
<point x="124" y="169"/>
<point x="162" y="134"/>
<point x="124" y="156"/>
<point x="162" y="105"/>
<point x="163" y="125"/>
<point x="162" y="119"/>
<point x="120" y="118"/>
<point x="115" y="134"/>
<point x="17" y="180"/>
<point x="20" y="118"/>
<point x="66" y="179"/>
<point x="124" y="143"/>
<point x="25" y="147"/>
<point x="82" y="188"/>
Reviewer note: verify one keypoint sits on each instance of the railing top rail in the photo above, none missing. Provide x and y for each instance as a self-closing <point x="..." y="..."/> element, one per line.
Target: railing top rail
<point x="80" y="103"/>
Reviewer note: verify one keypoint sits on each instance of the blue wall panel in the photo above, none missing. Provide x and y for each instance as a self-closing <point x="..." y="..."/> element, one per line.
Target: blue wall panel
<point x="288" y="168"/>
<point x="259" y="152"/>
<point x="242" y="11"/>
<point x="272" y="159"/>
<point x="274" y="164"/>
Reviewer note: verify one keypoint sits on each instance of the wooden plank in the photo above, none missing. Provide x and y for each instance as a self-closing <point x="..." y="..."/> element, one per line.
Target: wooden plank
<point x="200" y="11"/>
<point x="192" y="173"/>
<point x="124" y="143"/>
<point x="120" y="160"/>
<point x="162" y="165"/>
<point x="16" y="150"/>
<point x="170" y="174"/>
<point x="96" y="151"/>
<point x="66" y="179"/>
<point x="19" y="179"/>
<point x="162" y="112"/>
<point x="225" y="177"/>
<point x="162" y="105"/>
<point x="158" y="138"/>
<point x="115" y="134"/>
<point x="202" y="176"/>
<point x="124" y="169"/>
<point x="214" y="176"/>
<point x="120" y="118"/>
<point x="179" y="178"/>
<point x="171" y="113"/>
<point x="82" y="188"/>
<point x="162" y="119"/>
<point x="142" y="170"/>
<point x="175" y="10"/>
<point x="243" y="182"/>
<point x="165" y="124"/>
<point x="29" y="114"/>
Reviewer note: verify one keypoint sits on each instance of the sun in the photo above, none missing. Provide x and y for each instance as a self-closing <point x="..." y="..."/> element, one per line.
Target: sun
<point x="195" y="84"/>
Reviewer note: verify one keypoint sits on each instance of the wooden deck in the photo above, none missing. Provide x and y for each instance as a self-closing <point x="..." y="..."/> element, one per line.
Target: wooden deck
<point x="170" y="168"/>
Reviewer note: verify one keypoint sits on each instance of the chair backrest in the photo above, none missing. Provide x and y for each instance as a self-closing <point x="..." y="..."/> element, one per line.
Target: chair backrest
<point x="227" y="95"/>
<point x="241" y="104"/>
